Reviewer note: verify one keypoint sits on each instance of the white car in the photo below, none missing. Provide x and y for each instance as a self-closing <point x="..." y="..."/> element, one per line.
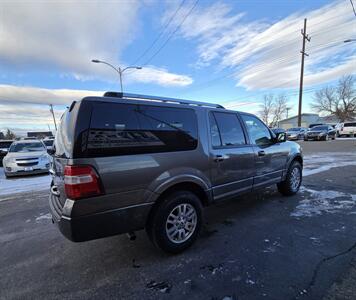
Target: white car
<point x="346" y="128"/>
<point x="26" y="157"/>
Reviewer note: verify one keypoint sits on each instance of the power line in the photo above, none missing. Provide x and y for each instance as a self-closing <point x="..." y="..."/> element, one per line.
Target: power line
<point x="165" y="27"/>
<point x="353" y="8"/>
<point x="171" y="34"/>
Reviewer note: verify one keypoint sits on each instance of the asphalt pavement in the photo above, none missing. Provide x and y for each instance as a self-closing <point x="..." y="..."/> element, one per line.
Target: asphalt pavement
<point x="260" y="246"/>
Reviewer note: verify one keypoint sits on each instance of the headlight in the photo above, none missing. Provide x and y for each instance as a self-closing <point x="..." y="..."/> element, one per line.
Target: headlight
<point x="44" y="157"/>
<point x="322" y="133"/>
<point x="9" y="160"/>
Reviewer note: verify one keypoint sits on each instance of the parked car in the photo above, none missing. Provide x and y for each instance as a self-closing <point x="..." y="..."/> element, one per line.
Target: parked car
<point x="48" y="143"/>
<point x="123" y="162"/>
<point x="4" y="148"/>
<point x="296" y="133"/>
<point x="320" y="133"/>
<point x="346" y="128"/>
<point x="26" y="157"/>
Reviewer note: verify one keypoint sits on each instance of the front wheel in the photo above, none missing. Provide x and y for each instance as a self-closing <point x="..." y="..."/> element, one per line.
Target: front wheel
<point x="291" y="184"/>
<point x="175" y="223"/>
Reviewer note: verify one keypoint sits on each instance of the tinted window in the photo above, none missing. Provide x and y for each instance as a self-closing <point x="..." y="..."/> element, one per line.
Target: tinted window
<point x="231" y="132"/>
<point x="171" y="129"/>
<point x="5" y="144"/>
<point x="48" y="142"/>
<point x="123" y="129"/>
<point x="350" y="125"/>
<point x="214" y="132"/>
<point x="257" y="130"/>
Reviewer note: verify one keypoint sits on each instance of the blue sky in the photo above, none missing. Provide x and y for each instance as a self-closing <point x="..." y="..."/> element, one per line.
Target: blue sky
<point x="230" y="52"/>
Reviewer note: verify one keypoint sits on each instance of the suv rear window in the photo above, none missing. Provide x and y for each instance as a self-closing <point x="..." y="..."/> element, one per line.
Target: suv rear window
<point x="124" y="129"/>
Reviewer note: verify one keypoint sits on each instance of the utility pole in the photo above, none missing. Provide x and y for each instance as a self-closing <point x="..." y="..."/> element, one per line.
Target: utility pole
<point x="305" y="37"/>
<point x="54" y="118"/>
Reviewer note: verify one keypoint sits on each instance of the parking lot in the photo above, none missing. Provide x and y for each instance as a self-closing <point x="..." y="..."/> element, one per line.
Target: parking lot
<point x="260" y="246"/>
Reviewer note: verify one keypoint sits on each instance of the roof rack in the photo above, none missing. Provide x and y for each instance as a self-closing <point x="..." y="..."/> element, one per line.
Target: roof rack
<point x="160" y="99"/>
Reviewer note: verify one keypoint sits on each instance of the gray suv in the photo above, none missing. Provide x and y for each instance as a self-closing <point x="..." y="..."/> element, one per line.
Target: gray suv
<point x="124" y="162"/>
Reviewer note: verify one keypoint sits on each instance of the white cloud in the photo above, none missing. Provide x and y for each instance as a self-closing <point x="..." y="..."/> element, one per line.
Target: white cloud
<point x="264" y="54"/>
<point x="28" y="106"/>
<point x="64" y="36"/>
<point x="10" y="94"/>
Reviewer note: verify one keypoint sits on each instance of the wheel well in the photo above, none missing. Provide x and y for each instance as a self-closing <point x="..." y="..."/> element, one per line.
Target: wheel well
<point x="186" y="186"/>
<point x="299" y="159"/>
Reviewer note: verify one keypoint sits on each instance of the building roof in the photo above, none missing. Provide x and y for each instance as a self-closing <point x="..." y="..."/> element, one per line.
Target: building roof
<point x="304" y="114"/>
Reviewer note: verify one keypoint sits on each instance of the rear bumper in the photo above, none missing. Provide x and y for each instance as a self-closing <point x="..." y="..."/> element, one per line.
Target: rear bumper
<point x="99" y="225"/>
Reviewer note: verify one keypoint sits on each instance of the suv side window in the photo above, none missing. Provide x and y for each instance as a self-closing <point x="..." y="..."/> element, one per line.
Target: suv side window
<point x="174" y="128"/>
<point x="257" y="130"/>
<point x="226" y="130"/>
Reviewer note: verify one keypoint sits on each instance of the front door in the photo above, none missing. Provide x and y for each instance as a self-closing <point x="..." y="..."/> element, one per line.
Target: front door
<point x="231" y="158"/>
<point x="270" y="156"/>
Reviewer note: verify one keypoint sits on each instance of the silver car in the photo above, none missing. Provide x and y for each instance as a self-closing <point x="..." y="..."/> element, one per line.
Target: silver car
<point x="26" y="157"/>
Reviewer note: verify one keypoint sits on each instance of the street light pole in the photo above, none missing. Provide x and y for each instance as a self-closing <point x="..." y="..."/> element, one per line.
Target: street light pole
<point x="118" y="70"/>
<point x="54" y="118"/>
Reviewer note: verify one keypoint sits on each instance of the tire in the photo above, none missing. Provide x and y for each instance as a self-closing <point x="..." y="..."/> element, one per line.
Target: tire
<point x="288" y="187"/>
<point x="158" y="226"/>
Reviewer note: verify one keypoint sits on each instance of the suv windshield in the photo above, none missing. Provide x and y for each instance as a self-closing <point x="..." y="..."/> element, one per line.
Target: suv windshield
<point x="320" y="128"/>
<point x="48" y="142"/>
<point x="27" y="147"/>
<point x="294" y="129"/>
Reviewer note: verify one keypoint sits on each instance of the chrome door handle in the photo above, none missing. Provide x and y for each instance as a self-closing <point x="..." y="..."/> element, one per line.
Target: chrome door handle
<point x="219" y="158"/>
<point x="261" y="153"/>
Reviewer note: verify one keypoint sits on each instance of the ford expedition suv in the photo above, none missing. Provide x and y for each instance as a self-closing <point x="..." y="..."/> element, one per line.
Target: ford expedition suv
<point x="125" y="162"/>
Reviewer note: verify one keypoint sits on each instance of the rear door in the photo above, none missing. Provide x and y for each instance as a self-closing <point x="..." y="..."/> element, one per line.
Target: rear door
<point x="270" y="157"/>
<point x="231" y="158"/>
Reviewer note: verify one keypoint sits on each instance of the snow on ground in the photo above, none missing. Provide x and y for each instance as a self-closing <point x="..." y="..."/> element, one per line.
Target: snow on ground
<point x="325" y="201"/>
<point x="325" y="161"/>
<point x="23" y="184"/>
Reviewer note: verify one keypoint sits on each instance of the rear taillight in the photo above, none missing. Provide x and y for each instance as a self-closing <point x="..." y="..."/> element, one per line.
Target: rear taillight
<point x="81" y="182"/>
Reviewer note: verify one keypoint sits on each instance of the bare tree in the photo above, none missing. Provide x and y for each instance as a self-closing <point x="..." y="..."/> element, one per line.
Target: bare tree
<point x="9" y="135"/>
<point x="339" y="101"/>
<point x="273" y="108"/>
<point x="266" y="108"/>
<point x="279" y="109"/>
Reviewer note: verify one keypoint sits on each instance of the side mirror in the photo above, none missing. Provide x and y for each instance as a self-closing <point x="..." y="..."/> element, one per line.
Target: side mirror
<point x="51" y="151"/>
<point x="281" y="137"/>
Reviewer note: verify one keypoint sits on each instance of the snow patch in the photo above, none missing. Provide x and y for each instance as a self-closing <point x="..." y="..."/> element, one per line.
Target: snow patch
<point x="324" y="201"/>
<point x="44" y="217"/>
<point x="23" y="184"/>
<point x="322" y="162"/>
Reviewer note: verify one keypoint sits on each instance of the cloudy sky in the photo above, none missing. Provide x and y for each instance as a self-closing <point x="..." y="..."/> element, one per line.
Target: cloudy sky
<point x="230" y="52"/>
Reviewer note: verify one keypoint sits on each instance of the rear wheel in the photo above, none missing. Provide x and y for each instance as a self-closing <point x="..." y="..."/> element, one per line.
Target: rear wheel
<point x="293" y="180"/>
<point x="176" y="222"/>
